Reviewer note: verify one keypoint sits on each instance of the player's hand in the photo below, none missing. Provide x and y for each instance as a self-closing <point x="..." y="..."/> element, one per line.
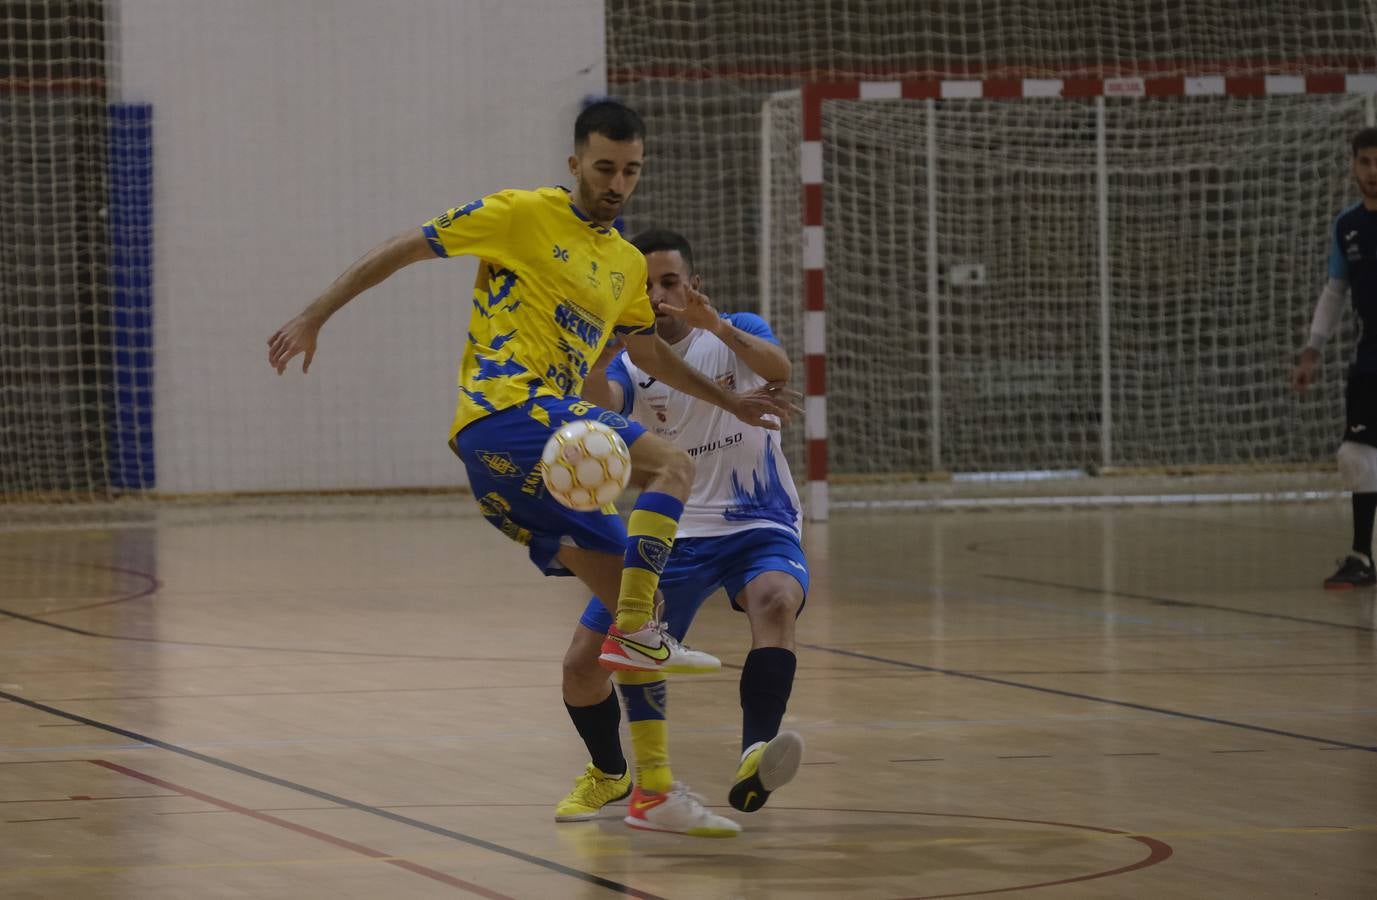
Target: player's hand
<point x="1303" y="375"/>
<point x="768" y="406"/>
<point x="297" y="336"/>
<point x="695" y="309"/>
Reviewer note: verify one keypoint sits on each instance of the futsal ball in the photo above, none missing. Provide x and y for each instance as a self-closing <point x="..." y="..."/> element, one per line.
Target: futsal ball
<point x="585" y="465"/>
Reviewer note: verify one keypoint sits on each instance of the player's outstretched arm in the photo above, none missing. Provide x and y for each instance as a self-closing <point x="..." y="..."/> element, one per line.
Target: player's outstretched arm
<point x="762" y="357"/>
<point x="597" y="387"/>
<point x="653" y="356"/>
<point x="299" y="334"/>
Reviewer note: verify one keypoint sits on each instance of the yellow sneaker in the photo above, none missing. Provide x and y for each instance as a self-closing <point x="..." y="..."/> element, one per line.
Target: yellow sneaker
<point x="765" y="768"/>
<point x="593" y="790"/>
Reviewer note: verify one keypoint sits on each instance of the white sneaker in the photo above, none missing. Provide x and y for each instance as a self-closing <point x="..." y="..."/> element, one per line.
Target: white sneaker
<point x="653" y="649"/>
<point x="678" y="812"/>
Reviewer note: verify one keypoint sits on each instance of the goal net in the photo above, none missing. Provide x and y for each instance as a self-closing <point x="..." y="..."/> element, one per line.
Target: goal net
<point x="1038" y="284"/>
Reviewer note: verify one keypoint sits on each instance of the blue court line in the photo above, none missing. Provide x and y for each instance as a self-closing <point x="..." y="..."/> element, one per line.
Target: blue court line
<point x="717" y="730"/>
<point x="72" y="629"/>
<point x="955" y="673"/>
<point x="1097" y="614"/>
<point x="551" y="865"/>
<point x="1193" y="604"/>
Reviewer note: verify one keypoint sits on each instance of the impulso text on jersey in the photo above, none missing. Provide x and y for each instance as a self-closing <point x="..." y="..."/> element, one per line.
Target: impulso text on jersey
<point x="716" y="445"/>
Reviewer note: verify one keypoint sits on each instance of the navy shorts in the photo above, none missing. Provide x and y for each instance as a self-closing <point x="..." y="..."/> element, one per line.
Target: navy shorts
<point x="502" y="454"/>
<point x="699" y="566"/>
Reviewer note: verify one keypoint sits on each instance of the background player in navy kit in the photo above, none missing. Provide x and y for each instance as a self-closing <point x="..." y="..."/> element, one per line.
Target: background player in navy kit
<point x="740" y="531"/>
<point x="1353" y="266"/>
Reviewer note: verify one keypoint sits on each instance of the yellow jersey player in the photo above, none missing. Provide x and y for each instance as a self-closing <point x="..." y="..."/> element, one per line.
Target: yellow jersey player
<point x="555" y="282"/>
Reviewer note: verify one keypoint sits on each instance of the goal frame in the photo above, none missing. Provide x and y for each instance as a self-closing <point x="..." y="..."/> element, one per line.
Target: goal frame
<point x="814" y="95"/>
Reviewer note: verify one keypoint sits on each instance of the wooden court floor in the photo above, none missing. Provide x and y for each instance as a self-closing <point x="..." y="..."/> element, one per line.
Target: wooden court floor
<point x="321" y="700"/>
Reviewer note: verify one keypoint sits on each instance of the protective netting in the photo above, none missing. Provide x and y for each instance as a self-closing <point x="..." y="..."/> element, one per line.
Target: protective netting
<point x="56" y="379"/>
<point x="75" y="205"/>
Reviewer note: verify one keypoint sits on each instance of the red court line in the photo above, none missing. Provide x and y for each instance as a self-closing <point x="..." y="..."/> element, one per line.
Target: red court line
<point x="1158" y="851"/>
<point x="302" y="829"/>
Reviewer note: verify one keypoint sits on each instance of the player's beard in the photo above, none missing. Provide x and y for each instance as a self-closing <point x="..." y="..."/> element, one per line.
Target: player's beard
<point x="592" y="206"/>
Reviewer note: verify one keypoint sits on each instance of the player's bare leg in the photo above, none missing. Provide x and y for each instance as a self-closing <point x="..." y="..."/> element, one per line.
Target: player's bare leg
<point x="592" y="705"/>
<point x="596" y="713"/>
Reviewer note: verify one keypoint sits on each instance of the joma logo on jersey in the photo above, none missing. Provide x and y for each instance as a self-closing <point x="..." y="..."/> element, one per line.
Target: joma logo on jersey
<point x="500" y="464"/>
<point x="561" y="254"/>
<point x="586" y="326"/>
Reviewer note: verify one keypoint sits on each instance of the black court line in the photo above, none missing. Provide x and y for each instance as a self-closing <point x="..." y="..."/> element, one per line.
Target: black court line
<point x="70" y="629"/>
<point x="1168" y="601"/>
<point x="1091" y="697"/>
<point x="551" y="865"/>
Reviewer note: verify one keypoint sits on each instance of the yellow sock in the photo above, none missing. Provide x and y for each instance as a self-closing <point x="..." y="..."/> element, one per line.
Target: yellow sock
<point x="645" y="698"/>
<point x="650" y="538"/>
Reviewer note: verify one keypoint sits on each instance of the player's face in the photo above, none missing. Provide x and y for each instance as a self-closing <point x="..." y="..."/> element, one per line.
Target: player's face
<point x="1365" y="173"/>
<point x="666" y="274"/>
<point x="605" y="173"/>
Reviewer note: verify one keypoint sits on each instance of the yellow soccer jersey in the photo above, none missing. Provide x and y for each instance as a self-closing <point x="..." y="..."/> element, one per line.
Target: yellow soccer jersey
<point x="552" y="287"/>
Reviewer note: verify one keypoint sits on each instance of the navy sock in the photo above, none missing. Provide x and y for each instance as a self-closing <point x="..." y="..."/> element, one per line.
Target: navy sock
<point x="599" y="725"/>
<point x="1364" y="505"/>
<point x="767" y="679"/>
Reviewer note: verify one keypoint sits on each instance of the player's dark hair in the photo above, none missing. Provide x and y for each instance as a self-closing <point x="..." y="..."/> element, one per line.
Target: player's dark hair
<point x="656" y="239"/>
<point x="1364" y="139"/>
<point x="614" y="121"/>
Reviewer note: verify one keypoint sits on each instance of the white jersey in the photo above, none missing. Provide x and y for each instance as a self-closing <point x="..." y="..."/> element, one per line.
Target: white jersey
<point x="741" y="479"/>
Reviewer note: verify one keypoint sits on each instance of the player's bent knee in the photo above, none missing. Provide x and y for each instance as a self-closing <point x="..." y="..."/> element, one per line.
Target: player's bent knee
<point x="581" y="668"/>
<point x="776" y="605"/>
<point x="1358" y="467"/>
<point x="582" y="686"/>
<point x="680" y="470"/>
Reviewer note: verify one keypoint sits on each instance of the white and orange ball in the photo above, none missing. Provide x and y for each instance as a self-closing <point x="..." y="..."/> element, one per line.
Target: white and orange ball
<point x="585" y="464"/>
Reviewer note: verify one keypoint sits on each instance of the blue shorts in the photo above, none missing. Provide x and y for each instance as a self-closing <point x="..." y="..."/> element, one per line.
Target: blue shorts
<point x="502" y="454"/>
<point x="699" y="566"/>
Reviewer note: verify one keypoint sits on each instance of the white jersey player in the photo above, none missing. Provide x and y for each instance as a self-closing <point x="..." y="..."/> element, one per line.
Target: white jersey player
<point x="740" y="531"/>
